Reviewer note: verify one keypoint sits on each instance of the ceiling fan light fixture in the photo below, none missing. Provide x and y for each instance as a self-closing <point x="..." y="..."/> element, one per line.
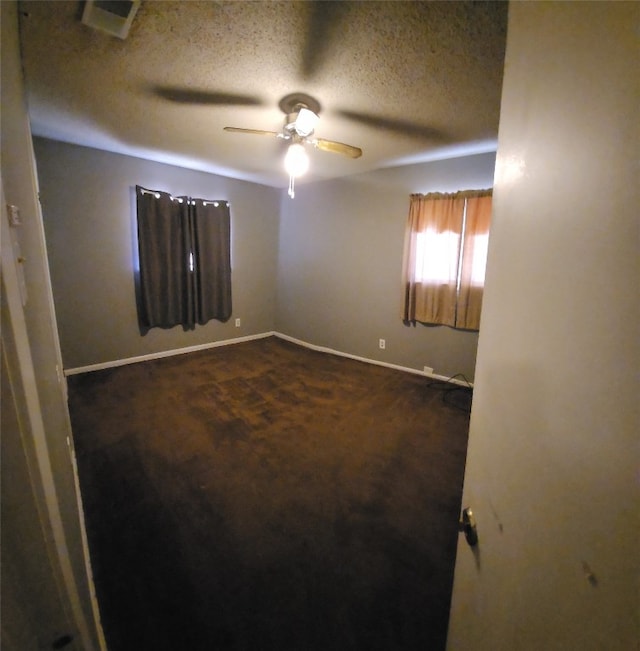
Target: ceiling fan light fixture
<point x="305" y="122"/>
<point x="296" y="161"/>
<point x="301" y="118"/>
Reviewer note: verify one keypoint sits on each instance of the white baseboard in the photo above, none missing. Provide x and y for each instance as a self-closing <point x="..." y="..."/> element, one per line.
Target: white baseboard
<point x="238" y="340"/>
<point x="163" y="353"/>
<point x="397" y="367"/>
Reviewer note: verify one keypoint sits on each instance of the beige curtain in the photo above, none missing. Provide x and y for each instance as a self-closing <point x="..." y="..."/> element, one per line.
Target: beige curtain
<point x="434" y="224"/>
<point x="474" y="259"/>
<point x="440" y="287"/>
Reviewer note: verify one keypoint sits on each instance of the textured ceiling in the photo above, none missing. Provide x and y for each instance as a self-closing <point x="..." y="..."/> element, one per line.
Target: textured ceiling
<point x="404" y="81"/>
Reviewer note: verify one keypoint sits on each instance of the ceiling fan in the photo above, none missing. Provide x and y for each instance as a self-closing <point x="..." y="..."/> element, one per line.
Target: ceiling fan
<point x="301" y="117"/>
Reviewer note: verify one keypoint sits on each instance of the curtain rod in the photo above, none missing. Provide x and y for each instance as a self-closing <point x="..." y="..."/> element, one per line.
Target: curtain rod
<point x="153" y="192"/>
<point x="460" y="194"/>
<point x="205" y="202"/>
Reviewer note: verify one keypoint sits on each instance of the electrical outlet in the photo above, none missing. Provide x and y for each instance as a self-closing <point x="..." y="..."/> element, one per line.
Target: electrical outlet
<point x="383" y="344"/>
<point x="428" y="370"/>
<point x="237" y="323"/>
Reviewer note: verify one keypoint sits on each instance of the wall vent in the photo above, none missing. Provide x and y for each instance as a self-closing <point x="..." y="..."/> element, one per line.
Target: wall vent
<point x="111" y="16"/>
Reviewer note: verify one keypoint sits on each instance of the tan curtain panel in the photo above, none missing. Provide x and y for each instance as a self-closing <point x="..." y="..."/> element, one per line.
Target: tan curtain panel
<point x="439" y="276"/>
<point x="474" y="259"/>
<point x="434" y="224"/>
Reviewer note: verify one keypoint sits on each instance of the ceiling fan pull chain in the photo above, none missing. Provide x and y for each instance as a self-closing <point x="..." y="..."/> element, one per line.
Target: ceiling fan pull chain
<point x="291" y="192"/>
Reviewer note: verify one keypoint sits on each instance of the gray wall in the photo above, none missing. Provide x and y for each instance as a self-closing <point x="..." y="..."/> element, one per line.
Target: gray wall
<point x="88" y="205"/>
<point x="340" y="257"/>
<point x="323" y="268"/>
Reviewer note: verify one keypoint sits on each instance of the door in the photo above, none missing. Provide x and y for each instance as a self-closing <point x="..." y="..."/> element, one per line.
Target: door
<point x="32" y="617"/>
<point x="34" y="610"/>
<point x="553" y="446"/>
<point x="32" y="357"/>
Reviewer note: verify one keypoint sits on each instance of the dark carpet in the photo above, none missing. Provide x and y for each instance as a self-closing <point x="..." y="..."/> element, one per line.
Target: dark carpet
<point x="263" y="496"/>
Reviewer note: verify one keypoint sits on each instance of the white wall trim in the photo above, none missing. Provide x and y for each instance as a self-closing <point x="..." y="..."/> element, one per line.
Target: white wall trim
<point x="33" y="430"/>
<point x="95" y="607"/>
<point x="237" y="340"/>
<point x="397" y="367"/>
<point x="163" y="353"/>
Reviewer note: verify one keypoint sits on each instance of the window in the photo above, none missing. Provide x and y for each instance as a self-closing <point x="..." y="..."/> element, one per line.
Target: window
<point x="184" y="246"/>
<point x="445" y="257"/>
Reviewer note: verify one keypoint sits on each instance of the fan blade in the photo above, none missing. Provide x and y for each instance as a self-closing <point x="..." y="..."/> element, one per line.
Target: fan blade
<point x="336" y="147"/>
<point x="398" y="126"/>
<point x="259" y="132"/>
<point x="323" y="30"/>
<point x="195" y="96"/>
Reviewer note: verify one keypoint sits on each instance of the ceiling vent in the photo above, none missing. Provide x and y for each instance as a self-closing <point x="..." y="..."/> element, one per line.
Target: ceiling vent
<point x="111" y="16"/>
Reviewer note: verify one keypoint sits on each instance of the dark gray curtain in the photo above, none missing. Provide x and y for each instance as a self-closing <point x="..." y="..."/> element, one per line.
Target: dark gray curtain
<point x="185" y="262"/>
<point x="211" y="242"/>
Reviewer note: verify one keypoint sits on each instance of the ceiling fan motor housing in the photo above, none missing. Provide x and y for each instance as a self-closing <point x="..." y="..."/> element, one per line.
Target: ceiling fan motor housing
<point x="290" y="121"/>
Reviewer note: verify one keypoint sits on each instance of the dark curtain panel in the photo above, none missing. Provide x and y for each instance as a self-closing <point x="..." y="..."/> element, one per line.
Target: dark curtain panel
<point x="211" y="233"/>
<point x="185" y="261"/>
<point x="163" y="245"/>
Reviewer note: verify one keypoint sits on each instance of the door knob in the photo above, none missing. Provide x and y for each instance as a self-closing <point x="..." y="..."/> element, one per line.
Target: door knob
<point x="468" y="526"/>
